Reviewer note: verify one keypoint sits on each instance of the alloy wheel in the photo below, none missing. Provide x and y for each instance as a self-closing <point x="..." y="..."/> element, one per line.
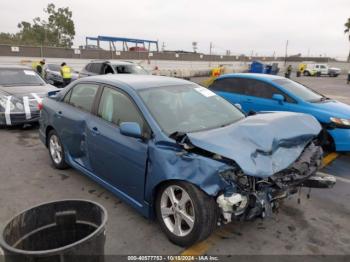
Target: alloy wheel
<point x="55" y="149"/>
<point x="177" y="210"/>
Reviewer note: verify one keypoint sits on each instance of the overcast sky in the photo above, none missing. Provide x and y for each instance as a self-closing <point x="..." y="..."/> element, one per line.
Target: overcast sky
<point x="245" y="26"/>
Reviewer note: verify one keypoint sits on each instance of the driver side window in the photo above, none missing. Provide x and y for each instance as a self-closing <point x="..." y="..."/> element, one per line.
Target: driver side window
<point x="116" y="107"/>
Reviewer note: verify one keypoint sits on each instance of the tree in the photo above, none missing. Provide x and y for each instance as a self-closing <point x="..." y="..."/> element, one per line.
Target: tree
<point x="347" y="31"/>
<point x="61" y="25"/>
<point x="58" y="30"/>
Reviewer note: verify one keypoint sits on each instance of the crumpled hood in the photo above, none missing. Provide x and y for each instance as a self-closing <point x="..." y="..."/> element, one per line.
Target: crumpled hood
<point x="263" y="144"/>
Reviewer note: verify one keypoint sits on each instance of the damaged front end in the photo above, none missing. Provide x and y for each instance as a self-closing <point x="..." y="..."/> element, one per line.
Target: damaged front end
<point x="264" y="166"/>
<point x="250" y="196"/>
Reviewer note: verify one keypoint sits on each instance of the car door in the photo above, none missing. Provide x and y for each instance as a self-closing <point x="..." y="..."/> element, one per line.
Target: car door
<point x="228" y="88"/>
<point x="323" y="69"/>
<point x="70" y="121"/>
<point x="118" y="159"/>
<point x="258" y="97"/>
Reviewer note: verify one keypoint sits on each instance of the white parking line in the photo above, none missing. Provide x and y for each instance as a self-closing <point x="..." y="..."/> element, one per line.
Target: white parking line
<point x="7" y="110"/>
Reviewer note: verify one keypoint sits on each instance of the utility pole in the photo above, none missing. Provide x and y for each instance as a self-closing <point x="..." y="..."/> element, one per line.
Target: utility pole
<point x="286" y="53"/>
<point x="210" y="48"/>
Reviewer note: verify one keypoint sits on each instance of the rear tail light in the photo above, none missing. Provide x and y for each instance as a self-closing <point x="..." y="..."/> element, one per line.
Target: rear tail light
<point x="40" y="106"/>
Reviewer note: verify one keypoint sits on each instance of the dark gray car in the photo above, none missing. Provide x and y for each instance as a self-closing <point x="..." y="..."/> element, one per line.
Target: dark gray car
<point x="21" y="93"/>
<point x="107" y="67"/>
<point x="52" y="74"/>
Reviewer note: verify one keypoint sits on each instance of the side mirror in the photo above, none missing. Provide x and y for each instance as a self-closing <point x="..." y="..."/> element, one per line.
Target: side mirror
<point x="131" y="129"/>
<point x="279" y="98"/>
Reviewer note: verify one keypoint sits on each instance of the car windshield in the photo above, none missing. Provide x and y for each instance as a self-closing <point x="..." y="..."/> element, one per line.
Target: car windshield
<point x="53" y="67"/>
<point x="188" y="108"/>
<point x="19" y="77"/>
<point x="130" y="69"/>
<point x="299" y="90"/>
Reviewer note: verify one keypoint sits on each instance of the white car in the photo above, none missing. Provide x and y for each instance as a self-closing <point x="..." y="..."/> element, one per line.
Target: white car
<point x="321" y="69"/>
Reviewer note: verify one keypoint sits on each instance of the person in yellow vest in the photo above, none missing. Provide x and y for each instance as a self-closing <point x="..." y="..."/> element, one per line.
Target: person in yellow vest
<point x="39" y="67"/>
<point x="66" y="73"/>
<point x="216" y="72"/>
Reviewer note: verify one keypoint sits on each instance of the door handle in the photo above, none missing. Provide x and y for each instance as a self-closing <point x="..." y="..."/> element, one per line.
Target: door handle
<point x="95" y="131"/>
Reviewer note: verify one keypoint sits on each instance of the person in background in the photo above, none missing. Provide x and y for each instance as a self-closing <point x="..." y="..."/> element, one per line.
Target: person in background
<point x="289" y="71"/>
<point x="39" y="67"/>
<point x="66" y="73"/>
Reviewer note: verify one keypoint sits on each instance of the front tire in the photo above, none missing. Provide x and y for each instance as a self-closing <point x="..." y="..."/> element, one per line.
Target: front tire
<point x="56" y="150"/>
<point x="306" y="73"/>
<point x="186" y="214"/>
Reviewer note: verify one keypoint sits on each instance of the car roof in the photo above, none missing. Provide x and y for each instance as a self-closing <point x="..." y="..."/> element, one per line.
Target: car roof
<point x="15" y="67"/>
<point x="265" y="77"/>
<point x="112" y="62"/>
<point x="137" y="82"/>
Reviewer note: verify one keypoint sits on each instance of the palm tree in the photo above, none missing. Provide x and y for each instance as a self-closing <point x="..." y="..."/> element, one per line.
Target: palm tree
<point x="347" y="31"/>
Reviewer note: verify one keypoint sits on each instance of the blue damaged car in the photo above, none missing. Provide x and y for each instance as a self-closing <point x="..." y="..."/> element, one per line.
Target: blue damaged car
<point x="261" y="92"/>
<point x="177" y="152"/>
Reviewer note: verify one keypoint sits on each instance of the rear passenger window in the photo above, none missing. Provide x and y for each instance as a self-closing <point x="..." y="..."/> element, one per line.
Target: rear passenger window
<point x="88" y="67"/>
<point x="116" y="107"/>
<point x="82" y="96"/>
<point x="232" y="85"/>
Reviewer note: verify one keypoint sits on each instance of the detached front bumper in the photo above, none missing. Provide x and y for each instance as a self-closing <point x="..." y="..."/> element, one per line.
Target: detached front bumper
<point x="252" y="197"/>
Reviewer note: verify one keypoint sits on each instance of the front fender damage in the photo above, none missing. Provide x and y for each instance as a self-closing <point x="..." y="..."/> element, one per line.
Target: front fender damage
<point x="170" y="161"/>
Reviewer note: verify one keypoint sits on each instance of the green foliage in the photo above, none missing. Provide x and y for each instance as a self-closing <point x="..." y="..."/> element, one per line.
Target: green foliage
<point x="58" y="30"/>
<point x="347" y="28"/>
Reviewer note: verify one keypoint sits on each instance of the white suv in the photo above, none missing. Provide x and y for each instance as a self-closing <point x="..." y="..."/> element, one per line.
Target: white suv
<point x="321" y="69"/>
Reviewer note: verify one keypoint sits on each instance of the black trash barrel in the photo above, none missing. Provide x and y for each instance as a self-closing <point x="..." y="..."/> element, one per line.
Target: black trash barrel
<point x="60" y="231"/>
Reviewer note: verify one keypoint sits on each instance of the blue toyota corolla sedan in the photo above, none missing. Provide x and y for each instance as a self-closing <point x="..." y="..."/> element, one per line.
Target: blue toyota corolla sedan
<point x="176" y="151"/>
<point x="260" y="92"/>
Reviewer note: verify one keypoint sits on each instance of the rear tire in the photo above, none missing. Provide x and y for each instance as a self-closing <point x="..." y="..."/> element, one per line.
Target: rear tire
<point x="185" y="213"/>
<point x="56" y="150"/>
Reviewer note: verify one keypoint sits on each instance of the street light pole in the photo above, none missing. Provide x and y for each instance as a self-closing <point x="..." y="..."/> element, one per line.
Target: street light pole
<point x="286" y="53"/>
